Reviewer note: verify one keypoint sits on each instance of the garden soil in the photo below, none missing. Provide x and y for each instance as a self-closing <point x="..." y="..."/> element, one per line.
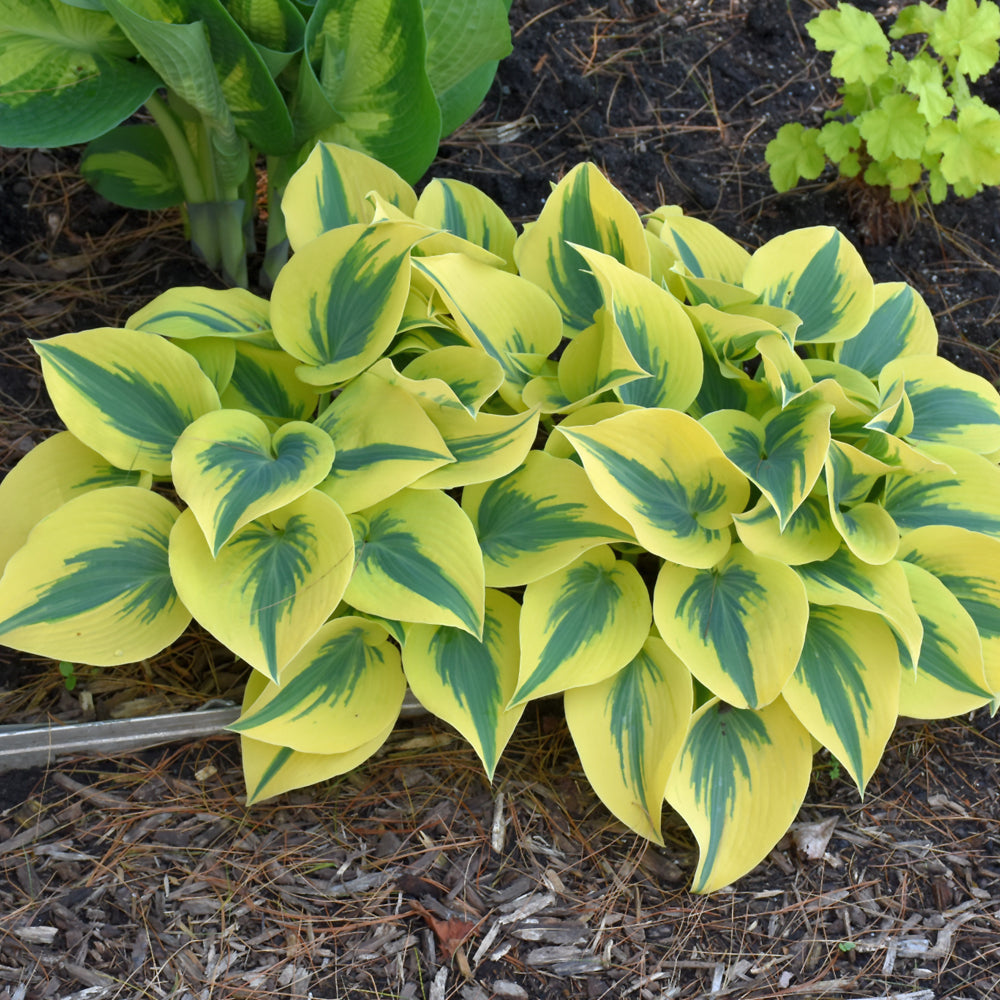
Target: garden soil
<point x="147" y="876"/>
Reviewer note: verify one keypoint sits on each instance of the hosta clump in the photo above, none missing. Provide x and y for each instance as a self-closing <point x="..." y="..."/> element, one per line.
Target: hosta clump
<point x="603" y="458"/>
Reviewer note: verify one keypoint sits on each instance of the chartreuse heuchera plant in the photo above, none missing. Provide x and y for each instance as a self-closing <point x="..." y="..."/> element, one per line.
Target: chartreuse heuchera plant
<point x="911" y="125"/>
<point x="732" y="506"/>
<point x="226" y="81"/>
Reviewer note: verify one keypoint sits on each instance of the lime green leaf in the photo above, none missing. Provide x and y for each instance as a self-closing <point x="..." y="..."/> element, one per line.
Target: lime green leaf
<point x="337" y="302"/>
<point x="664" y="473"/>
<point x="192" y="313"/>
<point x="272" y="585"/>
<point x="969" y="146"/>
<point x="468" y="682"/>
<point x="384" y="442"/>
<point x="229" y="469"/>
<point x="856" y="39"/>
<point x="901" y="324"/>
<point x="950" y="678"/>
<point x="950" y="406"/>
<point x="584" y="208"/>
<point x="838" y="140"/>
<point x="970" y="32"/>
<point x="845" y="689"/>
<point x="581" y="624"/>
<point x="819" y="276"/>
<point x="925" y="79"/>
<point x="538" y="519"/>
<point x="845" y="581"/>
<point x="418" y="561"/>
<point x="128" y="395"/>
<point x="269" y="770"/>
<point x="895" y="128"/>
<point x="721" y="623"/>
<point x="795" y="152"/>
<point x="783" y="454"/>
<point x="809" y="535"/>
<point x="464" y="210"/>
<point x="628" y="730"/>
<point x="66" y="75"/>
<point x="53" y="472"/>
<point x="741" y="777"/>
<point x="341" y="690"/>
<point x="92" y="584"/>
<point x="331" y="189"/>
<point x="656" y="332"/>
<point x="968" y="564"/>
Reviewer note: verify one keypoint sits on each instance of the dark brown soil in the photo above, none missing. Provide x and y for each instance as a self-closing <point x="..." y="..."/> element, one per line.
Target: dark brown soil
<point x="147" y="877"/>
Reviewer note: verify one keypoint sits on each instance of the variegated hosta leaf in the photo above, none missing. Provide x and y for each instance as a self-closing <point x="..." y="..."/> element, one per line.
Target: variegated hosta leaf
<point x="656" y="331"/>
<point x="628" y="730"/>
<point x="384" y="442"/>
<point x="538" y="519"/>
<point x="464" y="210"/>
<point x="558" y="445"/>
<point x="845" y="689"/>
<point x="418" y="561"/>
<point x="895" y="411"/>
<point x="783" y="454"/>
<point x="950" y="677"/>
<point x="216" y="357"/>
<point x="190" y="313"/>
<point x="583" y="208"/>
<point x="486" y="447"/>
<point x="739" y="781"/>
<point x="846" y="581"/>
<point x="581" y="624"/>
<point x="337" y="302"/>
<point x="852" y="393"/>
<point x="732" y="338"/>
<point x="722" y="623"/>
<point x="596" y="361"/>
<point x="950" y="406"/>
<point x="501" y="313"/>
<point x="466" y="373"/>
<point x="784" y="372"/>
<point x="901" y="324"/>
<point x="52" y="473"/>
<point x="964" y="493"/>
<point x="273" y="584"/>
<point x="338" y="693"/>
<point x="468" y="682"/>
<point x="968" y="564"/>
<point x="264" y="382"/>
<point x="704" y="250"/>
<point x="269" y="770"/>
<point x="664" y="473"/>
<point x="809" y="535"/>
<point x="868" y="529"/>
<point x="818" y="275"/>
<point x="330" y="190"/>
<point x="893" y="451"/>
<point x="92" y="584"/>
<point x="229" y="469"/>
<point x="126" y="394"/>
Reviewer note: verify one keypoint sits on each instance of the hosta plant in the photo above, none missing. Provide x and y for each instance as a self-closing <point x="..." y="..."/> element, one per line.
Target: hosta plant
<point x="226" y="80"/>
<point x="910" y="125"/>
<point x="731" y="506"/>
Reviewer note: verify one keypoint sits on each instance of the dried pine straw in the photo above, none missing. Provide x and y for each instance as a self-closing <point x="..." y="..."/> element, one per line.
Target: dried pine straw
<point x="411" y="877"/>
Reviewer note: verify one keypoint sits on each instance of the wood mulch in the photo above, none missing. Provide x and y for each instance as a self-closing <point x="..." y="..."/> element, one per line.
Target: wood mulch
<point x="147" y="877"/>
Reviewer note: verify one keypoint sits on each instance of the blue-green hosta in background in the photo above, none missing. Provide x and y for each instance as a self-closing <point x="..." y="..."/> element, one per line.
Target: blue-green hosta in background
<point x="608" y="457"/>
<point x="226" y="80"/>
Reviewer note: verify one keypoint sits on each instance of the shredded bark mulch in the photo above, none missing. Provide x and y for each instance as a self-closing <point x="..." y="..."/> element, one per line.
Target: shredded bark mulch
<point x="147" y="877"/>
